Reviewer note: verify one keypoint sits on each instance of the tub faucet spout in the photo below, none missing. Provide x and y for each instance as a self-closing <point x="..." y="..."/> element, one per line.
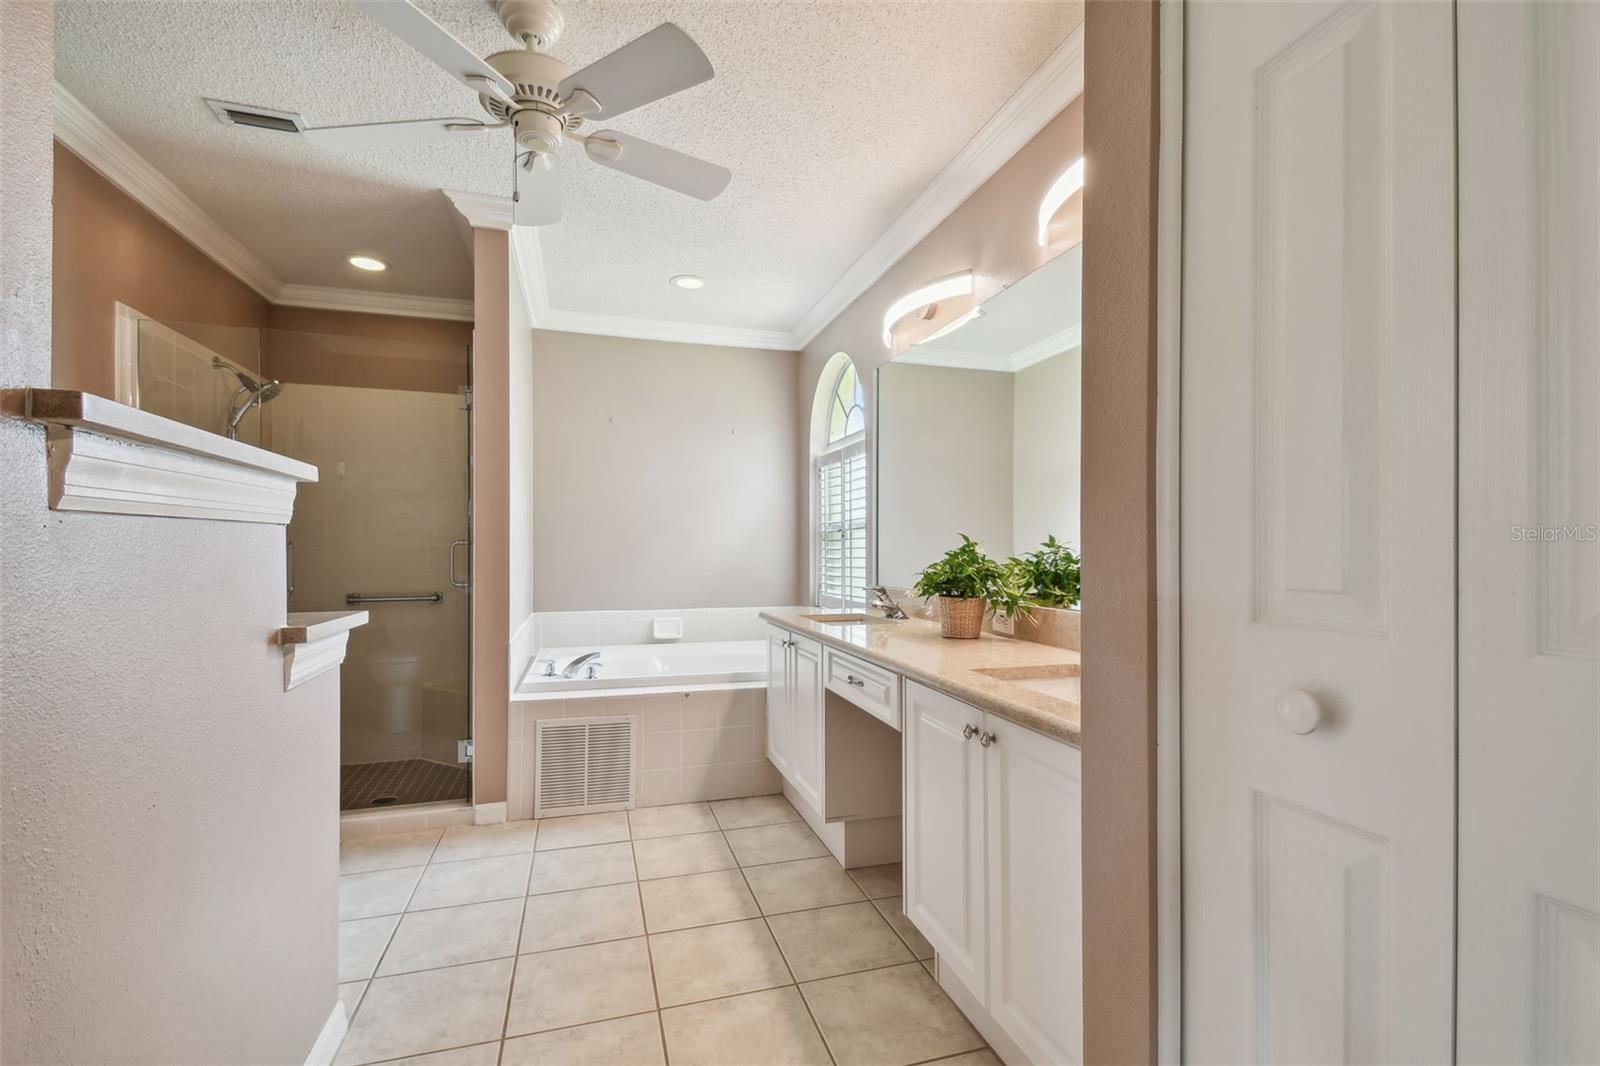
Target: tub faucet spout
<point x="572" y="668"/>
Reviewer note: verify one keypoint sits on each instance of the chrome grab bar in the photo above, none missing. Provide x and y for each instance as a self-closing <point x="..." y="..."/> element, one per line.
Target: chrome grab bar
<point x="353" y="598"/>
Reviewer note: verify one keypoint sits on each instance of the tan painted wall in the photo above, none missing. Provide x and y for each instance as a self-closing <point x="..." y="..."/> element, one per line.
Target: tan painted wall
<point x="665" y="475"/>
<point x="491" y="554"/>
<point x="1119" y="893"/>
<point x="108" y="249"/>
<point x="316" y="347"/>
<point x="1047" y="446"/>
<point x="169" y="891"/>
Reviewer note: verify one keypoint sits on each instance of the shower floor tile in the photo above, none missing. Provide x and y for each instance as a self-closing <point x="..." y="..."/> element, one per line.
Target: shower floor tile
<point x="406" y="780"/>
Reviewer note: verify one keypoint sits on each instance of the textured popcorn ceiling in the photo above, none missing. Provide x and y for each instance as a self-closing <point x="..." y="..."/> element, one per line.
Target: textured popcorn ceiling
<point x="832" y="116"/>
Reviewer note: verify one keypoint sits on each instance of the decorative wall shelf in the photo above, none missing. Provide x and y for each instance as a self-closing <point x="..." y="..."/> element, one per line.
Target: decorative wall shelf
<point x="314" y="642"/>
<point x="110" y="458"/>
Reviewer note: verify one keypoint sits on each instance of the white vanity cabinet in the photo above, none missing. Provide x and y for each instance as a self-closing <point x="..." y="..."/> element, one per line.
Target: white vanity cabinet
<point x="993" y="866"/>
<point x="794" y="711"/>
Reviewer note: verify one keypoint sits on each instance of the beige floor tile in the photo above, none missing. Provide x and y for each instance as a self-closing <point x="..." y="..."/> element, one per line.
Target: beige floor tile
<point x="753" y="810"/>
<point x="387" y="852"/>
<point x="698" y="899"/>
<point x="602" y="864"/>
<point x="584" y="916"/>
<point x="774" y="843"/>
<point x="933" y="970"/>
<point x="361" y="945"/>
<point x="971" y="1058"/>
<point x="676" y="856"/>
<point x="892" y="912"/>
<point x="482" y="841"/>
<point x="555" y="989"/>
<point x="771" y="1028"/>
<point x="582" y="830"/>
<point x="376" y="892"/>
<point x="884" y="1017"/>
<point x="676" y="820"/>
<point x="430" y="1011"/>
<point x="634" y="1041"/>
<point x="878" y="882"/>
<point x="836" y="940"/>
<point x="801" y="885"/>
<point x="476" y="1055"/>
<point x="350" y="994"/>
<point x="716" y="960"/>
<point x="453" y="884"/>
<point x="427" y="940"/>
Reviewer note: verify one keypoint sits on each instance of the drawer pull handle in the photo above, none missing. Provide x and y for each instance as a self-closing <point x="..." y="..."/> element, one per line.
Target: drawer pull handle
<point x="969" y="731"/>
<point x="987" y="738"/>
<point x="852" y="679"/>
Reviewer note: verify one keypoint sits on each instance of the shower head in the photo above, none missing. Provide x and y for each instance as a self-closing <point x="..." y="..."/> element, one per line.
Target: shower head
<point x="269" y="391"/>
<point x="245" y="380"/>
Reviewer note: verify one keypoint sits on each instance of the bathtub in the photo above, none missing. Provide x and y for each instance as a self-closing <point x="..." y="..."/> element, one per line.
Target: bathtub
<point x="631" y="669"/>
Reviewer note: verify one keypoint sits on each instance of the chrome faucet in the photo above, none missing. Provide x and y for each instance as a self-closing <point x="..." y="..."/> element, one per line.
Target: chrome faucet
<point x="882" y="601"/>
<point x="572" y="668"/>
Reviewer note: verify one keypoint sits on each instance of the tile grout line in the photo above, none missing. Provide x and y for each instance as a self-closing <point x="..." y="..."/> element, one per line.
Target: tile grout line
<point x="511" y="986"/>
<point x="649" y="950"/>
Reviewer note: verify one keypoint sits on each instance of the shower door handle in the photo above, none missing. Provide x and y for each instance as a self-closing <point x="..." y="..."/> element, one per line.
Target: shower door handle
<point x="288" y="565"/>
<point x="453" y="546"/>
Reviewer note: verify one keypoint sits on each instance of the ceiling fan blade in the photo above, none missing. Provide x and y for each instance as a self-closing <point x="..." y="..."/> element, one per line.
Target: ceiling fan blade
<point x="538" y="193"/>
<point x="662" y="62"/>
<point x="390" y="134"/>
<point x="663" y="166"/>
<point x="432" y="40"/>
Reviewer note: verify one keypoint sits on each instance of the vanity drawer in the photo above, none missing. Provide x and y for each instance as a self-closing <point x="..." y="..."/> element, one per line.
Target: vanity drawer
<point x="872" y="688"/>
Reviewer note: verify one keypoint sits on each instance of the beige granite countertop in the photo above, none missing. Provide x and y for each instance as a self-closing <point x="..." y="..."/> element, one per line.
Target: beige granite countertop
<point x="305" y="627"/>
<point x="915" y="648"/>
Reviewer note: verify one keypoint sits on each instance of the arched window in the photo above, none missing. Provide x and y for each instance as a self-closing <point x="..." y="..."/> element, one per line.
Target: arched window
<point x="839" y="486"/>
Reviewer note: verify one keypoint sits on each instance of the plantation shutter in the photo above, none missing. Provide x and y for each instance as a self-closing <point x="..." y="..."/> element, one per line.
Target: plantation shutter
<point x="842" y="527"/>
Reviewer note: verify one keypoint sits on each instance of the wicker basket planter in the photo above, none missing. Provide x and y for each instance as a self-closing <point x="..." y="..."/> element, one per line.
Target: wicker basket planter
<point x="961" y="617"/>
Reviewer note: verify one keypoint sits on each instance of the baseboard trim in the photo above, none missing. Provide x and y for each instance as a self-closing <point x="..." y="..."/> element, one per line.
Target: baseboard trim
<point x="489" y="813"/>
<point x="330" y="1038"/>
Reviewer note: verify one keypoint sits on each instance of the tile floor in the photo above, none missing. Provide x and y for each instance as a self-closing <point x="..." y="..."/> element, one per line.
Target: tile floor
<point x="691" y="934"/>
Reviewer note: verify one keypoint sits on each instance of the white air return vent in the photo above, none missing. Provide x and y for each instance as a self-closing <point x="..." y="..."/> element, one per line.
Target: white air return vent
<point x="583" y="765"/>
<point x="261" y="118"/>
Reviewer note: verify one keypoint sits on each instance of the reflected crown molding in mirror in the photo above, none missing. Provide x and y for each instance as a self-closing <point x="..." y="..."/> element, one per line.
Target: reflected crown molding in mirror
<point x="1067" y="185"/>
<point x="924" y="297"/>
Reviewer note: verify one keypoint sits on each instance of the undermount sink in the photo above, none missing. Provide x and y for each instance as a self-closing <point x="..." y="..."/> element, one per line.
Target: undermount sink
<point x="1063" y="681"/>
<point x="849" y="619"/>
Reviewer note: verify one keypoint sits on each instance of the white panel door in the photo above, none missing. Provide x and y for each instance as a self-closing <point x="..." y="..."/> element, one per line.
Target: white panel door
<point x="780" y="698"/>
<point x="945" y="856"/>
<point x="1318" y="624"/>
<point x="1529" y="967"/>
<point x="1033" y="811"/>
<point x="805" y="720"/>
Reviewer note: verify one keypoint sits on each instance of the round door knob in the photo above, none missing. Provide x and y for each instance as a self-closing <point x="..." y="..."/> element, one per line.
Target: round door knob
<point x="1298" y="711"/>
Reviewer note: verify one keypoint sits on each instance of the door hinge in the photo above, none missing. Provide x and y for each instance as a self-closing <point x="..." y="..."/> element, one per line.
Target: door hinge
<point x="464" y="750"/>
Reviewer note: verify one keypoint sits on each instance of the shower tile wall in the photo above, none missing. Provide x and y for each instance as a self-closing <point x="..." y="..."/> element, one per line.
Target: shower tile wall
<point x="390" y="499"/>
<point x="177" y="381"/>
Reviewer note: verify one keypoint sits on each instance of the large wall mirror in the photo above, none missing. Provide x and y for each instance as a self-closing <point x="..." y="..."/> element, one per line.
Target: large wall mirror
<point x="979" y="430"/>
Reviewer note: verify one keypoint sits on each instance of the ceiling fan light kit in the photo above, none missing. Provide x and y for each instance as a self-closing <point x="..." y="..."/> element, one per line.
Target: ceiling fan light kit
<point x="544" y="102"/>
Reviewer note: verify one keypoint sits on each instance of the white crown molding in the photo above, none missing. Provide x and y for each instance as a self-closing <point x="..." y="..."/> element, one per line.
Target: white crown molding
<point x="649" y="329"/>
<point x="91" y="140"/>
<point x="1021" y="359"/>
<point x="482" y="210"/>
<point x="1057" y="82"/>
<point x="529" y="255"/>
<point x="1047" y="347"/>
<point x="374" y="303"/>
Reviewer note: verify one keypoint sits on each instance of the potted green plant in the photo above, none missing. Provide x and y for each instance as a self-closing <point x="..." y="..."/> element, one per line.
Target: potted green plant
<point x="967" y="583"/>
<point x="1052" y="574"/>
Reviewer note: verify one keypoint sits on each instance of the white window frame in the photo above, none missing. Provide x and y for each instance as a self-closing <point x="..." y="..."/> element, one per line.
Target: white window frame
<point x="853" y="529"/>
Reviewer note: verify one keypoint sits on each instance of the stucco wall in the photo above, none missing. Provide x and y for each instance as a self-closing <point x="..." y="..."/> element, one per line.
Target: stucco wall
<point x="169" y="884"/>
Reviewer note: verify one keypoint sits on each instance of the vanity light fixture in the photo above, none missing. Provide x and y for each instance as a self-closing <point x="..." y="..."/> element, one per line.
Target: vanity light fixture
<point x="927" y="296"/>
<point x="366" y="262"/>
<point x="1061" y="190"/>
<point x="689" y="281"/>
<point x="976" y="312"/>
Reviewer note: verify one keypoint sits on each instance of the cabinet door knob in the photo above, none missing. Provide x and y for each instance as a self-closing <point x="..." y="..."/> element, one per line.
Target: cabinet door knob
<point x="969" y="731"/>
<point x="987" y="738"/>
<point x="1298" y="711"/>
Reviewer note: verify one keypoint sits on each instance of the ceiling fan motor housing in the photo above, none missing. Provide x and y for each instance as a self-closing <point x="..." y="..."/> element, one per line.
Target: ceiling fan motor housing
<point x="535" y="114"/>
<point x="535" y="22"/>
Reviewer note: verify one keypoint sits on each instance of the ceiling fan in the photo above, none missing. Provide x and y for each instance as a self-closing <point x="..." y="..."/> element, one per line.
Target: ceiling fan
<point x="543" y="101"/>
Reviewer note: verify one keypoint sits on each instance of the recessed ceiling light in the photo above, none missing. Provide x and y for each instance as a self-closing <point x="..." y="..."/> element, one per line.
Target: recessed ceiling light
<point x="366" y="262"/>
<point x="689" y="281"/>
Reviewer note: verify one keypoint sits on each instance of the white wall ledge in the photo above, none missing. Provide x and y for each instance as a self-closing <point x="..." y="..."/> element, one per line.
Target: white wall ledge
<point x="314" y="642"/>
<point x="110" y="458"/>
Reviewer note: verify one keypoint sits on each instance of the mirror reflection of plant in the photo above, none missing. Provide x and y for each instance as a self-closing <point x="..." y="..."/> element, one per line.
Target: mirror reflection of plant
<point x="967" y="573"/>
<point x="1052" y="574"/>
